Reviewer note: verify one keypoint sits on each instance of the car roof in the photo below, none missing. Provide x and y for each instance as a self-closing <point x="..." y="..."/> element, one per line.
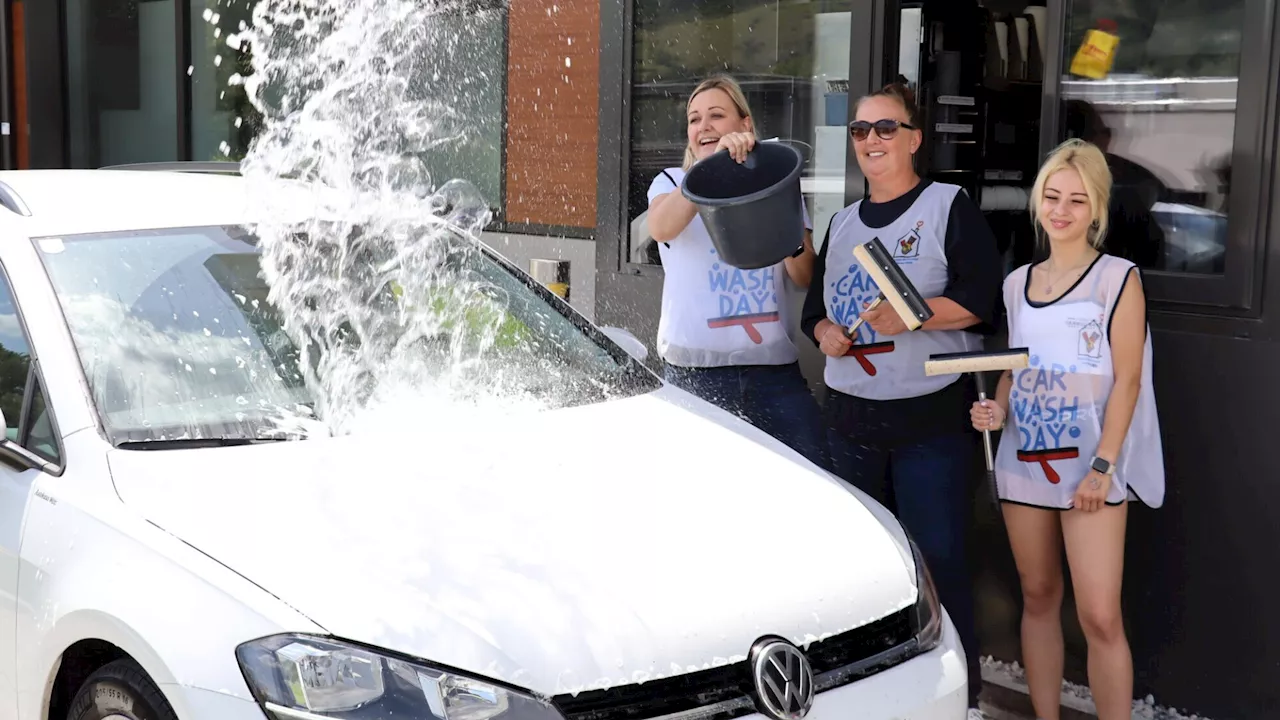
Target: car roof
<point x="70" y="202"/>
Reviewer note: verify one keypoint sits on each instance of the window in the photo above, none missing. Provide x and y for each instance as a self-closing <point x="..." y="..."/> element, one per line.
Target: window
<point x="121" y="81"/>
<point x="40" y="436"/>
<point x="181" y="339"/>
<point x="34" y="430"/>
<point x="520" y="78"/>
<point x="1166" y="116"/>
<point x="222" y="119"/>
<point x="15" y="364"/>
<point x="792" y="60"/>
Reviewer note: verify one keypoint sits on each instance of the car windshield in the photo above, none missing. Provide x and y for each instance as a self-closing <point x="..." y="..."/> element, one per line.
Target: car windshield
<point x="178" y="340"/>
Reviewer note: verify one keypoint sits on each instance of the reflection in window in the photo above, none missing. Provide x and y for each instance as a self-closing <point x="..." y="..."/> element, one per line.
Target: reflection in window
<point x="792" y="60"/>
<point x="222" y="119"/>
<point x="40" y="439"/>
<point x="465" y="72"/>
<point x="1165" y="115"/>
<point x="15" y="360"/>
<point x="121" y="65"/>
<point x="177" y="337"/>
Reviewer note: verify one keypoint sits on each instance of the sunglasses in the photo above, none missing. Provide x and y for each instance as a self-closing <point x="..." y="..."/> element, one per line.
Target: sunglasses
<point x="886" y="129"/>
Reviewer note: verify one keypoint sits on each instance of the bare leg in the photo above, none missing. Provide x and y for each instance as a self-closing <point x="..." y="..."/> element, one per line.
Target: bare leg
<point x="1036" y="538"/>
<point x="1095" y="551"/>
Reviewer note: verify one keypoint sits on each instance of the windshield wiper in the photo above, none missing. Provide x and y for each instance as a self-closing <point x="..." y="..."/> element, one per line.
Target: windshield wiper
<point x="186" y="443"/>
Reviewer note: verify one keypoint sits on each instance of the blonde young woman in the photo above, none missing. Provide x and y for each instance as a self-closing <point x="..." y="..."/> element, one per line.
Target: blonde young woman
<point x="1081" y="434"/>
<point x="723" y="334"/>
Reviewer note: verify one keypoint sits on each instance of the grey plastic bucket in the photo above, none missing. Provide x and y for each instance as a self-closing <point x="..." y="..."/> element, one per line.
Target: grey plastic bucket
<point x="752" y="210"/>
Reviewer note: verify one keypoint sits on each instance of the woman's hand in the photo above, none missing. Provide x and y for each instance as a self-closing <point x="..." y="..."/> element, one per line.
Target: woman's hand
<point x="738" y="144"/>
<point x="832" y="341"/>
<point x="884" y="320"/>
<point x="1091" y="495"/>
<point x="987" y="415"/>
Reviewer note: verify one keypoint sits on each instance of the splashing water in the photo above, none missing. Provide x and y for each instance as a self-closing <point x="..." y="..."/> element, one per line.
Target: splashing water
<point x="372" y="285"/>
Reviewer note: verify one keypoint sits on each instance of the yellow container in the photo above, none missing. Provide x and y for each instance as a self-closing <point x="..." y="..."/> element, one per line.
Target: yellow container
<point x="1097" y="52"/>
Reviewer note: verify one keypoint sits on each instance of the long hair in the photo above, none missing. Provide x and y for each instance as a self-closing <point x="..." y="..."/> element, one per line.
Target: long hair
<point x="1089" y="162"/>
<point x="733" y="90"/>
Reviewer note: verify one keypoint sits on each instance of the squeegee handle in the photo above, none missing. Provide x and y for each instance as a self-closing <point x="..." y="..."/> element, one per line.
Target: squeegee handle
<point x="981" y="381"/>
<point x="852" y="332"/>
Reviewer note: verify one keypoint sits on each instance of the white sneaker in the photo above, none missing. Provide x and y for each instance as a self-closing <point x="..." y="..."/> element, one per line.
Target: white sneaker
<point x="976" y="714"/>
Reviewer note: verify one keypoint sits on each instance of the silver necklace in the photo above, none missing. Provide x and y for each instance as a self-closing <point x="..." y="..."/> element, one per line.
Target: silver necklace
<point x="1048" y="288"/>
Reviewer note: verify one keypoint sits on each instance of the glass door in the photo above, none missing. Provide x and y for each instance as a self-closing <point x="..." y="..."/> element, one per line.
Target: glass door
<point x="122" y="92"/>
<point x="791" y="58"/>
<point x="1175" y="93"/>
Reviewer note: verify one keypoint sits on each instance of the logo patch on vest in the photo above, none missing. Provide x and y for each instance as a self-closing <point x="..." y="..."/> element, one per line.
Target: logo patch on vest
<point x="1091" y="341"/>
<point x="908" y="246"/>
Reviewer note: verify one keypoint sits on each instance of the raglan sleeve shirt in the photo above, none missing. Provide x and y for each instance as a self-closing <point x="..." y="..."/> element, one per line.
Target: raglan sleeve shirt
<point x="815" y="307"/>
<point x="973" y="263"/>
<point x="974" y="268"/>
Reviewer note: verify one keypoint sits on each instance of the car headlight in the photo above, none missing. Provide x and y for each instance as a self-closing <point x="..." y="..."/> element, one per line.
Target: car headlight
<point x="926" y="616"/>
<point x="298" y="677"/>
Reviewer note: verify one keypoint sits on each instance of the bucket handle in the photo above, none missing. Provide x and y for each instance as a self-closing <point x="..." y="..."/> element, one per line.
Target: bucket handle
<point x="750" y="162"/>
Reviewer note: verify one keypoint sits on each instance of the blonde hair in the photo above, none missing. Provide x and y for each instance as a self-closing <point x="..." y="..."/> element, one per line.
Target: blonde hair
<point x="736" y="96"/>
<point x="1091" y="165"/>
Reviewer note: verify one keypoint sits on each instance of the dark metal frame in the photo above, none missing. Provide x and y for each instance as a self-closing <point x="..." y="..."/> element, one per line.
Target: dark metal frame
<point x="876" y="63"/>
<point x="614" y="122"/>
<point x="7" y="149"/>
<point x="182" y="33"/>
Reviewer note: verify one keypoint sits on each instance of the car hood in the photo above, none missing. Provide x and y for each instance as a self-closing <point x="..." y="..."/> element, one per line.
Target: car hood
<point x="561" y="551"/>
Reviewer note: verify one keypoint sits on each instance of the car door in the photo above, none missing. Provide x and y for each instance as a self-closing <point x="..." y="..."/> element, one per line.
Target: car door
<point x="28" y="447"/>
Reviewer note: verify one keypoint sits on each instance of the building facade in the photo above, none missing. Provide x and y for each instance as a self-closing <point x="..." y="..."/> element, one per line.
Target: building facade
<point x="573" y="106"/>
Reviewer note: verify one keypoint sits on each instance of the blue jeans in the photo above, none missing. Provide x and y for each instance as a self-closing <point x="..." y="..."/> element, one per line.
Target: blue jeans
<point x="774" y="398"/>
<point x="925" y="481"/>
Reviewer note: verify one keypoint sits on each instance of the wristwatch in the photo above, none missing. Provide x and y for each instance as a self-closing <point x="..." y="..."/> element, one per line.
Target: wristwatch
<point x="1102" y="466"/>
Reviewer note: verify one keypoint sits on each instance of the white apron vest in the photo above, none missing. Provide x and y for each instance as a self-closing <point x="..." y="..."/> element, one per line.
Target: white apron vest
<point x="713" y="314"/>
<point x="1057" y="406"/>
<point x="891" y="368"/>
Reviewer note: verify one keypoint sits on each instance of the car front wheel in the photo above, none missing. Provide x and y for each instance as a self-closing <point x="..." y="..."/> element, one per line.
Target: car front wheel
<point x="120" y="690"/>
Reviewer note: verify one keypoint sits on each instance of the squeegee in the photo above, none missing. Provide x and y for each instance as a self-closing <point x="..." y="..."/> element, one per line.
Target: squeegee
<point x="895" y="287"/>
<point x="977" y="363"/>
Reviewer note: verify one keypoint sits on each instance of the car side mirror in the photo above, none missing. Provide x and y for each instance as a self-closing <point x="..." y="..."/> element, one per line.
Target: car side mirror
<point x="4" y="427"/>
<point x="632" y="344"/>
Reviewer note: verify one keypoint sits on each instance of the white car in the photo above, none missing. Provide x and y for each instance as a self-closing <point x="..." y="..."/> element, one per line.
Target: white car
<point x="500" y="570"/>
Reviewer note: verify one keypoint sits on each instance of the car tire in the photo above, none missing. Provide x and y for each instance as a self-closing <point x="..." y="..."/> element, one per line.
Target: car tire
<point x="120" y="690"/>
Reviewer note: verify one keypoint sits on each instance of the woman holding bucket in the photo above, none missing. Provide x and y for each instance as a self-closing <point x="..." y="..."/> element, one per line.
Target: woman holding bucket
<point x="1084" y="436"/>
<point x="894" y="432"/>
<point x="722" y="334"/>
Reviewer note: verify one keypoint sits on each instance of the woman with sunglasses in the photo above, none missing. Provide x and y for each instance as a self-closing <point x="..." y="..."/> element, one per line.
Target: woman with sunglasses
<point x="722" y="334"/>
<point x="896" y="433"/>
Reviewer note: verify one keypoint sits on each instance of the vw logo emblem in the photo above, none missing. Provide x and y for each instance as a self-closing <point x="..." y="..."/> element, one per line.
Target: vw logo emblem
<point x="784" y="680"/>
